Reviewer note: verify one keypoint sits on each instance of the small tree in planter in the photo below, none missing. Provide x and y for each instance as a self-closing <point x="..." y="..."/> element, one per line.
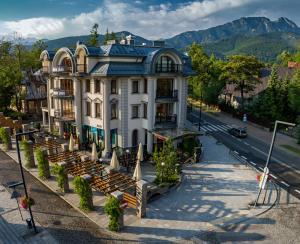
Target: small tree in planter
<point x="61" y="177"/>
<point x="4" y="138"/>
<point x="26" y="148"/>
<point x="83" y="189"/>
<point x="42" y="163"/>
<point x="113" y="210"/>
<point x="166" y="161"/>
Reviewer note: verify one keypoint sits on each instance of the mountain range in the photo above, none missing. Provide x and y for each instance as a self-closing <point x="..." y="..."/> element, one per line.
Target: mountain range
<point x="257" y="36"/>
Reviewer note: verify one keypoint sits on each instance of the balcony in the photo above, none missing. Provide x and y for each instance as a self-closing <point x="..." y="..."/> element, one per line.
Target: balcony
<point x="81" y="68"/>
<point x="62" y="69"/>
<point x="62" y="93"/>
<point x="166" y="95"/>
<point x="166" y="121"/>
<point x="168" y="68"/>
<point x="64" y="115"/>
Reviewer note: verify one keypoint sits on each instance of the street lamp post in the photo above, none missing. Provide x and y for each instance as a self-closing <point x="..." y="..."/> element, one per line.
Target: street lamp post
<point x="271" y="150"/>
<point x="18" y="136"/>
<point x="200" y="109"/>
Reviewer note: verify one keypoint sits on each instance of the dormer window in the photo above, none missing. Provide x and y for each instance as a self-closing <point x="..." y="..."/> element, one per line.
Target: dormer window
<point x="66" y="65"/>
<point x="166" y="64"/>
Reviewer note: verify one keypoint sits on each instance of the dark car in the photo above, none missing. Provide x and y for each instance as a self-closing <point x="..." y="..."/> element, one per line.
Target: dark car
<point x="238" y="132"/>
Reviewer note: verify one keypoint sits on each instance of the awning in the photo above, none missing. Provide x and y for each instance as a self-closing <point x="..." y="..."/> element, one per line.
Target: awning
<point x="174" y="134"/>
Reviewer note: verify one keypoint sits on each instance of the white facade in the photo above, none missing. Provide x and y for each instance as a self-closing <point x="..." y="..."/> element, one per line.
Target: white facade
<point x="143" y="102"/>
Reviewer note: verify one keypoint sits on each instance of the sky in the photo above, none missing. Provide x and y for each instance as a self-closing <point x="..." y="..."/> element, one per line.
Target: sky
<point x="151" y="19"/>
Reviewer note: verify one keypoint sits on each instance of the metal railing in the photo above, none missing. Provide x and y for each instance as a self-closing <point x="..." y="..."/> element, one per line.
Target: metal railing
<point x="168" y="68"/>
<point x="60" y="92"/>
<point x="64" y="114"/>
<point x="62" y="69"/>
<point x="165" y="118"/>
<point x="166" y="94"/>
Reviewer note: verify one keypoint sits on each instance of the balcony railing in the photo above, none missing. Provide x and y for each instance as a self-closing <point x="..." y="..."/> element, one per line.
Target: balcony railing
<point x="81" y="68"/>
<point x="168" y="68"/>
<point x="62" y="69"/>
<point x="168" y="95"/>
<point x="60" y="92"/>
<point x="166" y="120"/>
<point x="64" y="115"/>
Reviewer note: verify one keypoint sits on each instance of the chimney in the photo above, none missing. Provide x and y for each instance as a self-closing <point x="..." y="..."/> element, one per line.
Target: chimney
<point x="123" y="42"/>
<point x="130" y="40"/>
<point x="78" y="43"/>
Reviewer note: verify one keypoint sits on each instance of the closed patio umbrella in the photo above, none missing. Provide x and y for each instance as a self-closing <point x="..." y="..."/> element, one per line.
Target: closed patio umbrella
<point x="71" y="144"/>
<point x="137" y="175"/>
<point x="140" y="154"/>
<point x="94" y="152"/>
<point x="114" y="163"/>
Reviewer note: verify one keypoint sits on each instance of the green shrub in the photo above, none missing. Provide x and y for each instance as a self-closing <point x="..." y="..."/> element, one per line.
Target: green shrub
<point x="188" y="145"/>
<point x="26" y="148"/>
<point x="113" y="210"/>
<point x="61" y="176"/>
<point x="41" y="163"/>
<point x="4" y="138"/>
<point x="83" y="189"/>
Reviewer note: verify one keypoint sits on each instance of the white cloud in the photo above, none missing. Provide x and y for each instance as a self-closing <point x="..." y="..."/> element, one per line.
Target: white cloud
<point x="155" y="22"/>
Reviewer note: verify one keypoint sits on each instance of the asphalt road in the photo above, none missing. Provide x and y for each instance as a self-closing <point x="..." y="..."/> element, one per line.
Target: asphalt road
<point x="284" y="167"/>
<point x="63" y="222"/>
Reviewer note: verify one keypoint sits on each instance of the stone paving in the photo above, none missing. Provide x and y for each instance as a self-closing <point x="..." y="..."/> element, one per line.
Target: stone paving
<point x="213" y="191"/>
<point x="13" y="229"/>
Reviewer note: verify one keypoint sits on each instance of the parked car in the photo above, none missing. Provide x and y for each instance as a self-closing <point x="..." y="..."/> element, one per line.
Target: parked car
<point x="240" y="132"/>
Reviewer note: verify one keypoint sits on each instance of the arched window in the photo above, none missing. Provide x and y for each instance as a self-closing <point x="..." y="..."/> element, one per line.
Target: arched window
<point x="66" y="64"/>
<point x="135" y="138"/>
<point x="165" y="64"/>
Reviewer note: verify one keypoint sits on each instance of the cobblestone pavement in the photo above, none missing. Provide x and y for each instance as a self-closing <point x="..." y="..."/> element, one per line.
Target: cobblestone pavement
<point x="64" y="223"/>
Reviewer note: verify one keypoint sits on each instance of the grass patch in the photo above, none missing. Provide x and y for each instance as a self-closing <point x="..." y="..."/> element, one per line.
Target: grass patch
<point x="292" y="149"/>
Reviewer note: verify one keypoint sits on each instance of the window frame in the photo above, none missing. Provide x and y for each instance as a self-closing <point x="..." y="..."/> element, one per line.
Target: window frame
<point x="145" y="111"/>
<point x="88" y="108"/>
<point x="111" y="111"/>
<point x="98" y="91"/>
<point x="132" y="87"/>
<point x="138" y="111"/>
<point x="98" y="115"/>
<point x="87" y="87"/>
<point x="113" y="89"/>
<point x="145" y="86"/>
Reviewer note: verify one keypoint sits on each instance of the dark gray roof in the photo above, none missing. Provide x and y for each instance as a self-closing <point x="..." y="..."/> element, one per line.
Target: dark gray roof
<point x="118" y="69"/>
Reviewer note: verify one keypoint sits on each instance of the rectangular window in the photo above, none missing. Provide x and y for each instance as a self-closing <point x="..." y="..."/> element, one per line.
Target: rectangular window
<point x="52" y="102"/>
<point x="135" y="111"/>
<point x="145" y="86"/>
<point x="87" y="86"/>
<point x="88" y="109"/>
<point x="114" y="137"/>
<point x="135" y="86"/>
<point x="113" y="87"/>
<point x="97" y="86"/>
<point x="98" y="110"/>
<point x="51" y="84"/>
<point x="114" y="111"/>
<point x="145" y="110"/>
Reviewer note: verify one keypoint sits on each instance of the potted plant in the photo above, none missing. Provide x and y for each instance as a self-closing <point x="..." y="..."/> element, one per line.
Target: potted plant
<point x="25" y="202"/>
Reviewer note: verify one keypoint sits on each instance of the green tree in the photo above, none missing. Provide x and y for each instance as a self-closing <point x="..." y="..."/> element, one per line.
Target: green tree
<point x="294" y="93"/>
<point x="93" y="41"/>
<point x="283" y="58"/>
<point x="113" y="210"/>
<point x="243" y="72"/>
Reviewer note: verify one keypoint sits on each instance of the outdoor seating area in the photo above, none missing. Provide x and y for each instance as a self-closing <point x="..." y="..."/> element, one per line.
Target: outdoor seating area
<point x="65" y="156"/>
<point x="8" y="122"/>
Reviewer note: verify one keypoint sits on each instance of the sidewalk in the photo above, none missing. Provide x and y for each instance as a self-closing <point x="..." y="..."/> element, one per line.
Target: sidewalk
<point x="258" y="131"/>
<point x="12" y="228"/>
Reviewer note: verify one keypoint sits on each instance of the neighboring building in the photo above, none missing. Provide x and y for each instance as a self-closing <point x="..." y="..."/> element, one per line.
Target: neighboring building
<point x="34" y="88"/>
<point x="232" y="96"/>
<point x="293" y="65"/>
<point x="117" y="94"/>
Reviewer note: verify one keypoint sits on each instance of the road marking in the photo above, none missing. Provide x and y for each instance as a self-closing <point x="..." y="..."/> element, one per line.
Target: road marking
<point x="252" y="163"/>
<point x="239" y="140"/>
<point x="216" y="127"/>
<point x="203" y="128"/>
<point x="273" y="176"/>
<point x="261" y="168"/>
<point x="284" y="183"/>
<point x="246" y="143"/>
<point x="211" y="128"/>
<point x="297" y="191"/>
<point x="244" y="157"/>
<point x="224" y="127"/>
<point x="236" y="152"/>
